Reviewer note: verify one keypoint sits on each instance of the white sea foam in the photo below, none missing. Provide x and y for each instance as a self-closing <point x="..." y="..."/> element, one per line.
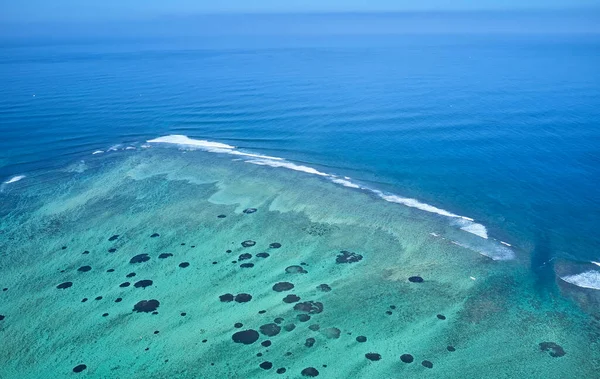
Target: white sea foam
<point x="288" y="165"/>
<point x="130" y="148"/>
<point x="588" y="279"/>
<point x="596" y="263"/>
<point x="346" y="183"/>
<point x="14" y="179"/>
<point x="97" y="152"/>
<point x="464" y="223"/>
<point x="505" y="243"/>
<point x="185" y="140"/>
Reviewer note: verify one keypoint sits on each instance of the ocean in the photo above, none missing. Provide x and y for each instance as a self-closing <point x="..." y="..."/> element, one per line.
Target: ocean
<point x="468" y="160"/>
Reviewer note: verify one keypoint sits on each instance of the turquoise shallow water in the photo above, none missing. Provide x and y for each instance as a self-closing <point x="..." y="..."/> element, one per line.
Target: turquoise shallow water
<point x="468" y="315"/>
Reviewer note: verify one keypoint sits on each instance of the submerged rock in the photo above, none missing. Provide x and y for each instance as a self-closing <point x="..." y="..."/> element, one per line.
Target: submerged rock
<point x="165" y="255"/>
<point x="310" y="371"/>
<point x="407" y="358"/>
<point x="270" y="330"/>
<point x="312" y="307"/>
<point x="415" y="279"/>
<point x="246" y="337"/>
<point x="244" y="256"/>
<point x="295" y="270"/>
<point x="262" y="255"/>
<point x="309" y="342"/>
<point x="555" y="350"/>
<point x="324" y="288"/>
<point x="249" y="210"/>
<point x="248" y="243"/>
<point x="427" y="364"/>
<point x="84" y="268"/>
<point x="275" y="245"/>
<point x="79" y="368"/>
<point x="114" y="237"/>
<point x="348" y="257"/>
<point x="282" y="286"/>
<point x="361" y="339"/>
<point x="64" y="285"/>
<point x="154" y="235"/>
<point x="226" y="298"/>
<point x="140" y="258"/>
<point x="143" y="283"/>
<point x="146" y="306"/>
<point x="291" y="299"/>
<point x="243" y="298"/>
<point x="373" y="356"/>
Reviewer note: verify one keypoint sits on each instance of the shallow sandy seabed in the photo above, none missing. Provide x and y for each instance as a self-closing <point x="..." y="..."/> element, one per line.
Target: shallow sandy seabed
<point x="494" y="323"/>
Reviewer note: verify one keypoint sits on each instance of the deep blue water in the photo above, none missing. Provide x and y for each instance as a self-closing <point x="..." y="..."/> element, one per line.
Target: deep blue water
<point x="501" y="128"/>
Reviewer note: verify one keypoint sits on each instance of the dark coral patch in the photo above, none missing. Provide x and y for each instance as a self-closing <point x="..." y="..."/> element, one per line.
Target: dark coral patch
<point x="2" y="317"/>
<point x="332" y="333"/>
<point x="98" y="298"/>
<point x="84" y="299"/>
<point x="118" y="300"/>
<point x="282" y="286"/>
<point x="248" y="243"/>
<point x="130" y="275"/>
<point x="86" y="252"/>
<point x="451" y="348"/>
<point x="266" y="343"/>
<point x="247" y="265"/>
<point x="222" y="216"/>
<point x="291" y="299"/>
<point x="112" y="249"/>
<point x="275" y="245"/>
<point x="324" y="287"/>
<point x="289" y="327"/>
<point x="226" y="298"/>
<point x="314" y="327"/>
<point x="295" y="270"/>
<point x="361" y="339"/>
<point x="79" y="368"/>
<point x="146" y="306"/>
<point x="104" y="314"/>
<point x="310" y="342"/>
<point x="84" y="269"/>
<point x="64" y="285"/>
<point x="281" y="370"/>
<point x="310" y="371"/>
<point x="407" y="358"/>
<point x="427" y="364"/>
<point x="143" y="283"/>
<point x="139" y="258"/>
<point x="124" y="284"/>
<point x="441" y="317"/>
<point x="114" y="237"/>
<point x="278" y="320"/>
<point x="154" y="235"/>
<point x="312" y="307"/>
<point x="373" y="356"/>
<point x="244" y="256"/>
<point x="554" y="349"/>
<point x="110" y="270"/>
<point x="262" y="255"/>
<point x="249" y="210"/>
<point x="184" y="264"/>
<point x="165" y="255"/>
<point x="243" y="298"/>
<point x="270" y="330"/>
<point x="415" y="279"/>
<point x="348" y="257"/>
<point x="238" y="325"/>
<point x="246" y="337"/>
<point x="266" y="365"/>
<point x="303" y="317"/>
